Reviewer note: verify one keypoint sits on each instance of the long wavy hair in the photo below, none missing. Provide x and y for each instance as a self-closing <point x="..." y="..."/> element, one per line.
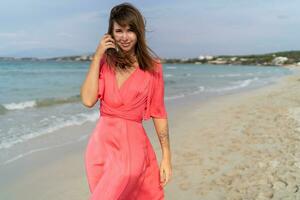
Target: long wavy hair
<point x="126" y="14"/>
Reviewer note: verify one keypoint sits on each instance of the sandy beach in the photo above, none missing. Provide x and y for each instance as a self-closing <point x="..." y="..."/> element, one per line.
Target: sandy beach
<point x="238" y="146"/>
<point x="243" y="146"/>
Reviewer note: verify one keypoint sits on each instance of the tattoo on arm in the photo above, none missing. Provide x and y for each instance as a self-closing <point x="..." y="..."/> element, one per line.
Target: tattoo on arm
<point x="163" y="136"/>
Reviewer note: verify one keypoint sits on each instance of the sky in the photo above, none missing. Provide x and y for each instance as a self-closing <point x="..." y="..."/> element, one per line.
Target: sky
<point x="174" y="29"/>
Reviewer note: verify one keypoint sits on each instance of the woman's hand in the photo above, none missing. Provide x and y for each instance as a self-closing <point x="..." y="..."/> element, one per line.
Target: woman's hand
<point x="165" y="171"/>
<point x="106" y="42"/>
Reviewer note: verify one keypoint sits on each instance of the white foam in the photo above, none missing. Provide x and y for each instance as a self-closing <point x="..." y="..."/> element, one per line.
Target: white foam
<point x="200" y="89"/>
<point x="168" y="75"/>
<point x="74" y="120"/>
<point x="175" y="96"/>
<point x="241" y="84"/>
<point x="20" y="106"/>
<point x="171" y="67"/>
<point x="226" y="75"/>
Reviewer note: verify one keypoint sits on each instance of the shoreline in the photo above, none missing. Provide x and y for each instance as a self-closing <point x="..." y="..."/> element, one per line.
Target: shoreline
<point x="24" y="148"/>
<point x="49" y="118"/>
<point x="56" y="173"/>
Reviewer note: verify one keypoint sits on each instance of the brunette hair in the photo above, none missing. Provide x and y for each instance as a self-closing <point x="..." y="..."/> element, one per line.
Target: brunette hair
<point x="127" y="14"/>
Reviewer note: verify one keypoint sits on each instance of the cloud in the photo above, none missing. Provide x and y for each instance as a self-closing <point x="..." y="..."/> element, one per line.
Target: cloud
<point x="12" y="35"/>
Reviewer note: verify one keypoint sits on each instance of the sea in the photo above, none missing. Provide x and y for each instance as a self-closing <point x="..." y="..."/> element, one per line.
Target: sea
<point x="40" y="97"/>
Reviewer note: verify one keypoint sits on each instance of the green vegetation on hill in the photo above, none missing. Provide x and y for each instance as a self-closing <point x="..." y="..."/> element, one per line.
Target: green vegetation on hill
<point x="269" y="59"/>
<point x="277" y="58"/>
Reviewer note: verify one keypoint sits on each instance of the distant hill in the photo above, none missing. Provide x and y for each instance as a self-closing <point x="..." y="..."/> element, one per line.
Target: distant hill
<point x="269" y="59"/>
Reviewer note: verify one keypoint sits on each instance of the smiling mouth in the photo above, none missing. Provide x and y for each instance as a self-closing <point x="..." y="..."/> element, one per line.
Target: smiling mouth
<point x="125" y="45"/>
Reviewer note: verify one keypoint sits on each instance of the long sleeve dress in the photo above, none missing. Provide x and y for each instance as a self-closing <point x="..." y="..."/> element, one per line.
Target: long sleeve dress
<point x="120" y="162"/>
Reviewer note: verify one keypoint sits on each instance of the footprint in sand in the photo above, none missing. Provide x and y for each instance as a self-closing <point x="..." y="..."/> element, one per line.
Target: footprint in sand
<point x="184" y="185"/>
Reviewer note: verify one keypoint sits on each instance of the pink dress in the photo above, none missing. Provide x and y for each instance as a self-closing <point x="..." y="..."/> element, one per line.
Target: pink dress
<point x="120" y="162"/>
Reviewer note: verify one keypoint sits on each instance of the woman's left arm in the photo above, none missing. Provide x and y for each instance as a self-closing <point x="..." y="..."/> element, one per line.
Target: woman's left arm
<point x="162" y="130"/>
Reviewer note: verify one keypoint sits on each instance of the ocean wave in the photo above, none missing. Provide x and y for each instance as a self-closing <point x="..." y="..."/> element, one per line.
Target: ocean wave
<point x="20" y="105"/>
<point x="74" y="120"/>
<point x="175" y="96"/>
<point x="234" y="75"/>
<point x="240" y="84"/>
<point x="38" y="103"/>
<point x="182" y="95"/>
<point x="227" y="75"/>
<point x="168" y="75"/>
<point x="171" y="67"/>
<point x="200" y="89"/>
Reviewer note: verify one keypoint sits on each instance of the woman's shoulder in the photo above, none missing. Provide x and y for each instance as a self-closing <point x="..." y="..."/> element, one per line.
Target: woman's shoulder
<point x="103" y="64"/>
<point x="157" y="65"/>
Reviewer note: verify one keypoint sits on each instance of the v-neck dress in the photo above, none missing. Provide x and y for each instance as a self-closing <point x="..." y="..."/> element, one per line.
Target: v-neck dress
<point x="120" y="162"/>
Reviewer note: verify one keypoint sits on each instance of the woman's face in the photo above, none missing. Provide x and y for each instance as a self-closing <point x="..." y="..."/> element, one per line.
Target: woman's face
<point x="124" y="37"/>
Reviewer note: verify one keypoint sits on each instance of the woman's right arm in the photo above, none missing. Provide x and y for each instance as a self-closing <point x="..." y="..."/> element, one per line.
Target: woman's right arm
<point x="89" y="88"/>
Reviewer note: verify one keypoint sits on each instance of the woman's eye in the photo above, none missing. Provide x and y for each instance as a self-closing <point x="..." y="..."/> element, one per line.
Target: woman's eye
<point x="119" y="31"/>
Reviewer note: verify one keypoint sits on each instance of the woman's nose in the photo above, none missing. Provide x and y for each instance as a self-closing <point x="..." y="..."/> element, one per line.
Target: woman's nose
<point x="124" y="35"/>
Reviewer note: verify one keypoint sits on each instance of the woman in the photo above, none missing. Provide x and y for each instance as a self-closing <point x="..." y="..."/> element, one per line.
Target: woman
<point x="120" y="161"/>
